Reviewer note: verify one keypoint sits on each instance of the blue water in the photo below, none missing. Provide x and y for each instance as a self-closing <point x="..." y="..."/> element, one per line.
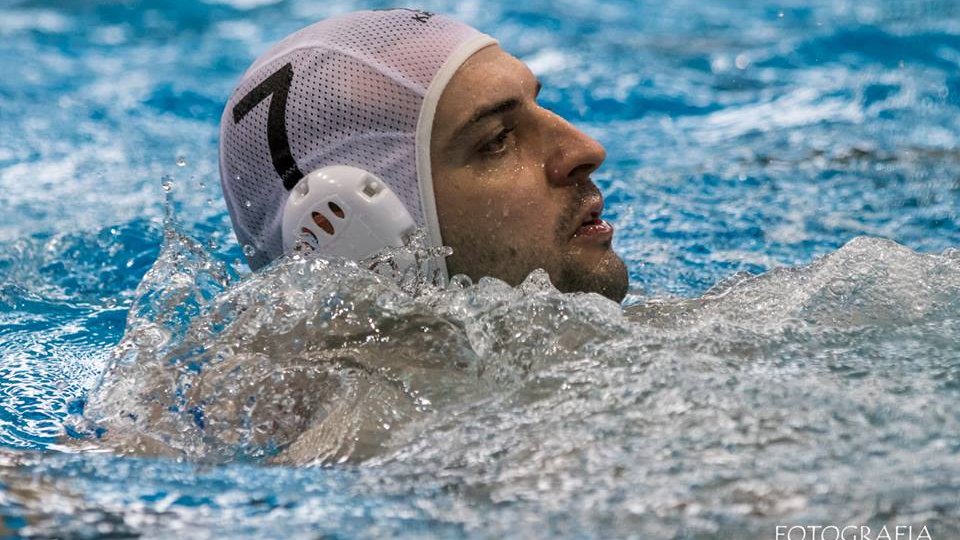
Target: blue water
<point x="742" y="136"/>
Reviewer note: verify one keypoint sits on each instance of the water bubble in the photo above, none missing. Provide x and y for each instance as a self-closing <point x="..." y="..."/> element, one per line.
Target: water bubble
<point x="249" y="250"/>
<point x="167" y="183"/>
<point x="181" y="161"/>
<point x="460" y="281"/>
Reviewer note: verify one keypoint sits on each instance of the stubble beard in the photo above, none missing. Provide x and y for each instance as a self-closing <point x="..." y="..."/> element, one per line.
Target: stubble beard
<point x="607" y="277"/>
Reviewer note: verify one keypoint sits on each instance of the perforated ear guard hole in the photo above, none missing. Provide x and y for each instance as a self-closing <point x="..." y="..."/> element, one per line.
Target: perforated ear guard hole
<point x="372" y="187"/>
<point x="335" y="208"/>
<point x="324" y="223"/>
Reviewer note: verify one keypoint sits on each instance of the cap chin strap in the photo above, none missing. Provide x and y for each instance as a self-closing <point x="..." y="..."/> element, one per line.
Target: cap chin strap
<point x="343" y="211"/>
<point x="428" y="111"/>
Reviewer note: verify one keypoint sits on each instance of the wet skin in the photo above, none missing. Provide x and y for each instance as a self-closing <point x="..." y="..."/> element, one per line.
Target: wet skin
<point x="512" y="183"/>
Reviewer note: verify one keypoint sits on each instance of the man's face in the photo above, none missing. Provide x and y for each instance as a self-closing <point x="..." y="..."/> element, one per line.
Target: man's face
<point x="512" y="183"/>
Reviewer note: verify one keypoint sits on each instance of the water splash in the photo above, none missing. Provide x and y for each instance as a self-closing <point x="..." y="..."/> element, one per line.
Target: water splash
<point x="314" y="361"/>
<point x="530" y="399"/>
<point x="762" y="403"/>
<point x="411" y="265"/>
<point x="215" y="369"/>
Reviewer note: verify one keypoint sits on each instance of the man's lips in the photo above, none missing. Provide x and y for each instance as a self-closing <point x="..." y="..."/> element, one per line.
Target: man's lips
<point x="592" y="226"/>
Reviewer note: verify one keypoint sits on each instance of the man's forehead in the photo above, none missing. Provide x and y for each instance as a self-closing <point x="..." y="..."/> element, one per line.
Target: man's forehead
<point x="488" y="76"/>
<point x="492" y="61"/>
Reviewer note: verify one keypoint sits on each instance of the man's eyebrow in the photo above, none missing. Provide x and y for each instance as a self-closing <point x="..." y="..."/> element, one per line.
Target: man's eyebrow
<point x="483" y="113"/>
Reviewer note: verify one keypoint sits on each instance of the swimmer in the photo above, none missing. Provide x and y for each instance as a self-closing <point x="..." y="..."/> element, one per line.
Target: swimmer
<point x="437" y="118"/>
<point x="448" y="120"/>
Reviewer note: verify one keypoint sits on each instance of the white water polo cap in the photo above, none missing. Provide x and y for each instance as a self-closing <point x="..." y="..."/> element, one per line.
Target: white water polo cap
<point x="358" y="90"/>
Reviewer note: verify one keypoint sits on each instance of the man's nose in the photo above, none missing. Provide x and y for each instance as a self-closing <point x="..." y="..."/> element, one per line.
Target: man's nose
<point x="573" y="155"/>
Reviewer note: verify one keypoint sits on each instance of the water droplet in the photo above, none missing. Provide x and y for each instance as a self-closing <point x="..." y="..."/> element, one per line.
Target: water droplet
<point x="247" y="203"/>
<point x="209" y="202"/>
<point x="742" y="61"/>
<point x="249" y="250"/>
<point x="460" y="281"/>
<point x="167" y="183"/>
<point x="181" y="161"/>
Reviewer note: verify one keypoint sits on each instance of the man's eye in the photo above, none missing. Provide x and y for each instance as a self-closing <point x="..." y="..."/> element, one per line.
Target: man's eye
<point x="498" y="144"/>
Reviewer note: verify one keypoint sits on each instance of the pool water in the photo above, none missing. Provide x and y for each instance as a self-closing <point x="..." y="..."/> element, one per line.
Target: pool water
<point x="784" y="179"/>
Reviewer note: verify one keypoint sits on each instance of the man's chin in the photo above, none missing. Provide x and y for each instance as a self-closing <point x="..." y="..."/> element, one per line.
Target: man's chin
<point x="607" y="277"/>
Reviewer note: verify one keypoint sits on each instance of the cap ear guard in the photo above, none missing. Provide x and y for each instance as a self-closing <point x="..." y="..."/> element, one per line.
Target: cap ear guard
<point x="343" y="211"/>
